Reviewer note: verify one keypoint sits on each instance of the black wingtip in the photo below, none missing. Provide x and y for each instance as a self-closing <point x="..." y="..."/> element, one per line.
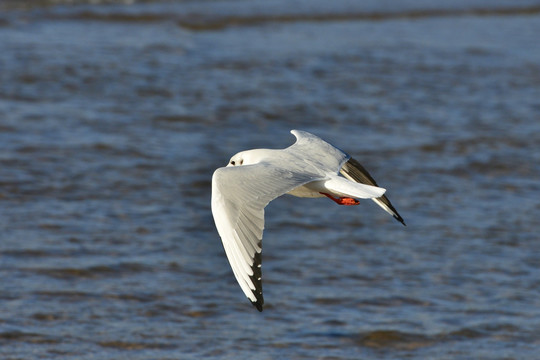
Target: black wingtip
<point x="258" y="305"/>
<point x="256" y="279"/>
<point x="400" y="219"/>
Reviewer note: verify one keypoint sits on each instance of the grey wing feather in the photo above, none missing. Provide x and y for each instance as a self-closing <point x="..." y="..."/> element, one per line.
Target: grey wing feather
<point x="320" y="153"/>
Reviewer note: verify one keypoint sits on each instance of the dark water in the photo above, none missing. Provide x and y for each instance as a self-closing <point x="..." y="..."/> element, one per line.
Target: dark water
<point x="114" y="115"/>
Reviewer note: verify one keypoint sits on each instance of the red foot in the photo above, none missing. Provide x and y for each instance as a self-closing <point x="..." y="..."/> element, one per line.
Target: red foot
<point x="342" y="200"/>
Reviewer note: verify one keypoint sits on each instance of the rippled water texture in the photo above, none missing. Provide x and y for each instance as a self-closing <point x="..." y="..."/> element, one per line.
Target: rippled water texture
<point x="113" y="116"/>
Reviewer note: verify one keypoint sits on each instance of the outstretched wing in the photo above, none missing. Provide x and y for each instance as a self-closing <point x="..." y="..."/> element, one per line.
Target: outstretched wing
<point x="239" y="196"/>
<point x="314" y="150"/>
<point x="354" y="171"/>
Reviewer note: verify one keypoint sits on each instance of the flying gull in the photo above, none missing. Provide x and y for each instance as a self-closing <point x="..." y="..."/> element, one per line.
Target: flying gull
<point x="308" y="168"/>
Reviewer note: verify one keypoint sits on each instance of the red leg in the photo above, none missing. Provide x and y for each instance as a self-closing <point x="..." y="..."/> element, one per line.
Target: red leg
<point x="342" y="200"/>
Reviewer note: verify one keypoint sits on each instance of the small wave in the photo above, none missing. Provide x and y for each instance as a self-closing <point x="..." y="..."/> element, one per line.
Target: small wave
<point x="203" y="18"/>
<point x="47" y="316"/>
<point x="220" y="22"/>
<point x="127" y="345"/>
<point x="191" y="119"/>
<point x="92" y="272"/>
<point x="200" y="21"/>
<point x="400" y="340"/>
<point x="119" y="17"/>
<point x="396" y="301"/>
<point x="394" y="339"/>
<point x="19" y="336"/>
<point x="81" y="296"/>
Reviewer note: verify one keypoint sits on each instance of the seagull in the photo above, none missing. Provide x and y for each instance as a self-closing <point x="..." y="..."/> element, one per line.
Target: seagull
<point x="252" y="178"/>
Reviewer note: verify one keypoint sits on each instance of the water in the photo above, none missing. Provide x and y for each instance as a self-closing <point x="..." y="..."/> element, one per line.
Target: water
<point x="113" y="116"/>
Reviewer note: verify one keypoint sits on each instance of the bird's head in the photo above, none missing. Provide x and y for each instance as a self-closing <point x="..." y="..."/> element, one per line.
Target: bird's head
<point x="248" y="157"/>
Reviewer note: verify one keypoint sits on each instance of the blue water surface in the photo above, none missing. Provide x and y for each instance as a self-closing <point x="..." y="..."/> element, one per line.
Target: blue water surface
<point x="114" y="115"/>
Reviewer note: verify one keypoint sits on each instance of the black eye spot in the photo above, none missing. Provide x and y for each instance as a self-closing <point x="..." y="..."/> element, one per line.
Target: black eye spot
<point x="241" y="162"/>
<point x="232" y="162"/>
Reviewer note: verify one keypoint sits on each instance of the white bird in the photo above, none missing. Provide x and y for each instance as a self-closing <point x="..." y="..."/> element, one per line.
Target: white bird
<point x="308" y="168"/>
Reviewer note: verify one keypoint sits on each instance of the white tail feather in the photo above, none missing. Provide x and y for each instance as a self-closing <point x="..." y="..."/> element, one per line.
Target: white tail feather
<point x="343" y="187"/>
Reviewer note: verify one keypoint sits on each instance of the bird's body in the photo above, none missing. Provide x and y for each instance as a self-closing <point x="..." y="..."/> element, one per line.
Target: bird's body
<point x="253" y="178"/>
